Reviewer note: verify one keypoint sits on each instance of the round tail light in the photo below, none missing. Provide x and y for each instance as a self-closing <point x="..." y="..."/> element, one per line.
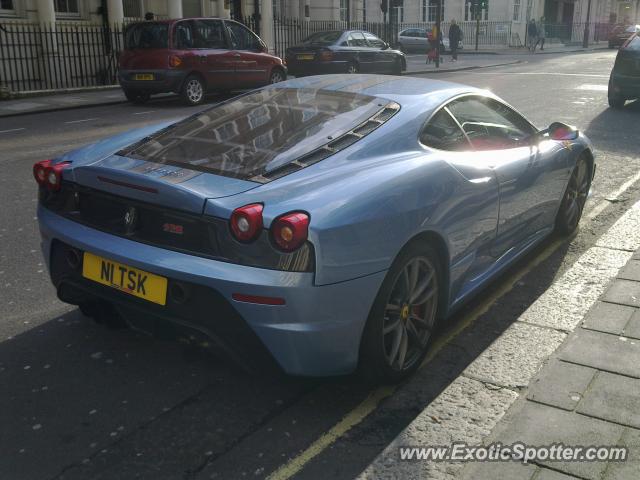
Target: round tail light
<point x="40" y="171"/>
<point x="246" y="222"/>
<point x="290" y="231"/>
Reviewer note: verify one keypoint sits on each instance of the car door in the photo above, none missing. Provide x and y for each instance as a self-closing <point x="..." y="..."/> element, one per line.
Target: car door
<point x="383" y="58"/>
<point x="532" y="177"/>
<point x="358" y="46"/>
<point x="469" y="215"/>
<point x="252" y="63"/>
<point x="209" y="44"/>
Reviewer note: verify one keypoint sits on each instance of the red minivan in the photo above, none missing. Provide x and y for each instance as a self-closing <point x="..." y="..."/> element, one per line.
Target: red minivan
<point x="191" y="56"/>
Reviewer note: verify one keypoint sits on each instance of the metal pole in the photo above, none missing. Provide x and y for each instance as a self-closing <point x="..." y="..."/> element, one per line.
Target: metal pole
<point x="438" y="22"/>
<point x="477" y="12"/>
<point x="585" y="39"/>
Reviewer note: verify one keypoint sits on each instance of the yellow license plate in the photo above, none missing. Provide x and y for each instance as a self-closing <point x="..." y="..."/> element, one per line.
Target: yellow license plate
<point x="143" y="76"/>
<point x="127" y="279"/>
<point x="306" y="57"/>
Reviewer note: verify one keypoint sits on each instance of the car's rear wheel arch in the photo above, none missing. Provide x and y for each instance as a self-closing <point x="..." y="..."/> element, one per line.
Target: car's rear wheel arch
<point x="438" y="243"/>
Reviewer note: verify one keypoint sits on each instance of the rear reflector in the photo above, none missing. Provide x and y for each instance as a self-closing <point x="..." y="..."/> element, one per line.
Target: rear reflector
<point x="240" y="297"/>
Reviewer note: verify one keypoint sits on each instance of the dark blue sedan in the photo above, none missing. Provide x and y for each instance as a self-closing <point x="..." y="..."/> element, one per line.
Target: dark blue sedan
<point x="348" y="51"/>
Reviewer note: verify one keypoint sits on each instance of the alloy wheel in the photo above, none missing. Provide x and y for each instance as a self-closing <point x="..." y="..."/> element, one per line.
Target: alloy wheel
<point x="276" y="77"/>
<point x="352" y="68"/>
<point x="576" y="195"/>
<point x="410" y="313"/>
<point x="195" y="91"/>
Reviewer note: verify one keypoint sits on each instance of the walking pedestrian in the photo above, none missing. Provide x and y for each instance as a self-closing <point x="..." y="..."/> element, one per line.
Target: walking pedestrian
<point x="432" y="51"/>
<point x="455" y="35"/>
<point x="541" y="33"/>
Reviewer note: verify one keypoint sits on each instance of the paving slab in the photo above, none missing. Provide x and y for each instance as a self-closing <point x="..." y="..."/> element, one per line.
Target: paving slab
<point x="624" y="292"/>
<point x="608" y="317"/>
<point x="515" y="356"/>
<point x="631" y="271"/>
<point x="613" y="397"/>
<point x="603" y="351"/>
<point x="498" y="470"/>
<point x="537" y="425"/>
<point x="632" y="328"/>
<point x="630" y="468"/>
<point x="560" y="384"/>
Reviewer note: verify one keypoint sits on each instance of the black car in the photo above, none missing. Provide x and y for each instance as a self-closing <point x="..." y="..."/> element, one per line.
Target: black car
<point x="624" y="82"/>
<point x="344" y="51"/>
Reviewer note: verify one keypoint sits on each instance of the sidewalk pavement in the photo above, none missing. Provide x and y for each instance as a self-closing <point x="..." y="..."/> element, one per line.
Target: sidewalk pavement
<point x="586" y="393"/>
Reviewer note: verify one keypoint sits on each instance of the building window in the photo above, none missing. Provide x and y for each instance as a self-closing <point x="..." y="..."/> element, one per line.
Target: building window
<point x="67" y="8"/>
<point x="516" y="10"/>
<point x="400" y="12"/>
<point x="191" y="8"/>
<point x="344" y="5"/>
<point x="132" y="8"/>
<point x="277" y="6"/>
<point x="6" y="6"/>
<point x="429" y="10"/>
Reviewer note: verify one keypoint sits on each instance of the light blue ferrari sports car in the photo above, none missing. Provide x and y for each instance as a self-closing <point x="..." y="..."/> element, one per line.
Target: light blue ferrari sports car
<point x="326" y="222"/>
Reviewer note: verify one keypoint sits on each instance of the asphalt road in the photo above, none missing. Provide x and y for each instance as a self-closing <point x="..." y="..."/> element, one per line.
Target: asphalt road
<point x="81" y="401"/>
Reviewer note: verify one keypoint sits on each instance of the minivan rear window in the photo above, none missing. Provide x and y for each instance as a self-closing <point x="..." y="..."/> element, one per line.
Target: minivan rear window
<point x="260" y="132"/>
<point x="147" y="35"/>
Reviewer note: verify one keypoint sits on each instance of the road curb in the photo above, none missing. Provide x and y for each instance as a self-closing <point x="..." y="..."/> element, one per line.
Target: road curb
<point x="471" y="67"/>
<point x="61" y="108"/>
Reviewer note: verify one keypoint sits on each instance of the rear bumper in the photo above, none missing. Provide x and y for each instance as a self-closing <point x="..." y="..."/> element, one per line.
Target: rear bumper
<point x="317" y="332"/>
<point x="166" y="80"/>
<point x="627" y="86"/>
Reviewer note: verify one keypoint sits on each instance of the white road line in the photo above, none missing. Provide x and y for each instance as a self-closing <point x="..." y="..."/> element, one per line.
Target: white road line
<point x="594" y="75"/>
<point x="12" y="130"/>
<point x="598" y="209"/>
<point x="144" y="113"/>
<point x="80" y="121"/>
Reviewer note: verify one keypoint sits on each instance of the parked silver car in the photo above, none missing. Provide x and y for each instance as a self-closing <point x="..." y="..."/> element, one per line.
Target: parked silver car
<point x="415" y="40"/>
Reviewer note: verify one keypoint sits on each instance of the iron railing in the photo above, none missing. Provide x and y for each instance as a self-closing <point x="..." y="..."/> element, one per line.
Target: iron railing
<point x="44" y="57"/>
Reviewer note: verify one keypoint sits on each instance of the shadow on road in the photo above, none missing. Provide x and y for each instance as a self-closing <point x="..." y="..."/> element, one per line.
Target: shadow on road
<point x="612" y="129"/>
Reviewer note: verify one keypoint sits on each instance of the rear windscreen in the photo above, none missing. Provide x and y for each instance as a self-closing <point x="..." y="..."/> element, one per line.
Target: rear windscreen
<point x="258" y="133"/>
<point x="147" y="35"/>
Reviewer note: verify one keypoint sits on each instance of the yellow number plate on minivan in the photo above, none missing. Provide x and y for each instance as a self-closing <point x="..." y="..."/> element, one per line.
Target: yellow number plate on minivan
<point x="127" y="279"/>
<point x="144" y="76"/>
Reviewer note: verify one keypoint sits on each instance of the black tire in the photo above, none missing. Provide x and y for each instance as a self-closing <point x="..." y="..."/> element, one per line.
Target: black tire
<point x="574" y="198"/>
<point x="277" y="75"/>
<point x="385" y="334"/>
<point x="353" y="67"/>
<point x="193" y="90"/>
<point x="616" y="102"/>
<point x="136" y="96"/>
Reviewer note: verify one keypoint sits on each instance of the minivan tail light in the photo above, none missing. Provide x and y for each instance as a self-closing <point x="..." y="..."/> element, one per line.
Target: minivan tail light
<point x="174" y="61"/>
<point x="290" y="231"/>
<point x="325" y="55"/>
<point x="49" y="175"/>
<point x="246" y="222"/>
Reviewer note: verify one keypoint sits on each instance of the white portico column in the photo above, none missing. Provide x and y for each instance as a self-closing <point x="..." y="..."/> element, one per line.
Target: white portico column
<point x="115" y="11"/>
<point x="266" y="23"/>
<point x="174" y="8"/>
<point x="46" y="12"/>
<point x="218" y="10"/>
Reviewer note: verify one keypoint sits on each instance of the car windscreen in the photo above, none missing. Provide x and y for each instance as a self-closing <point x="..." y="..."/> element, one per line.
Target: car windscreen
<point x="259" y="132"/>
<point x="147" y="35"/>
<point x="322" y="38"/>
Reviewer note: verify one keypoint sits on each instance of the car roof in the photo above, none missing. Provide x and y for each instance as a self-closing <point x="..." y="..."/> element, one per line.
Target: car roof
<point x="175" y="20"/>
<point x="405" y="91"/>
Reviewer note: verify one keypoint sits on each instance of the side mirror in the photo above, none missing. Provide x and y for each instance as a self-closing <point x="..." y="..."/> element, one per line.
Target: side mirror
<point x="385" y="46"/>
<point x="561" y="131"/>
